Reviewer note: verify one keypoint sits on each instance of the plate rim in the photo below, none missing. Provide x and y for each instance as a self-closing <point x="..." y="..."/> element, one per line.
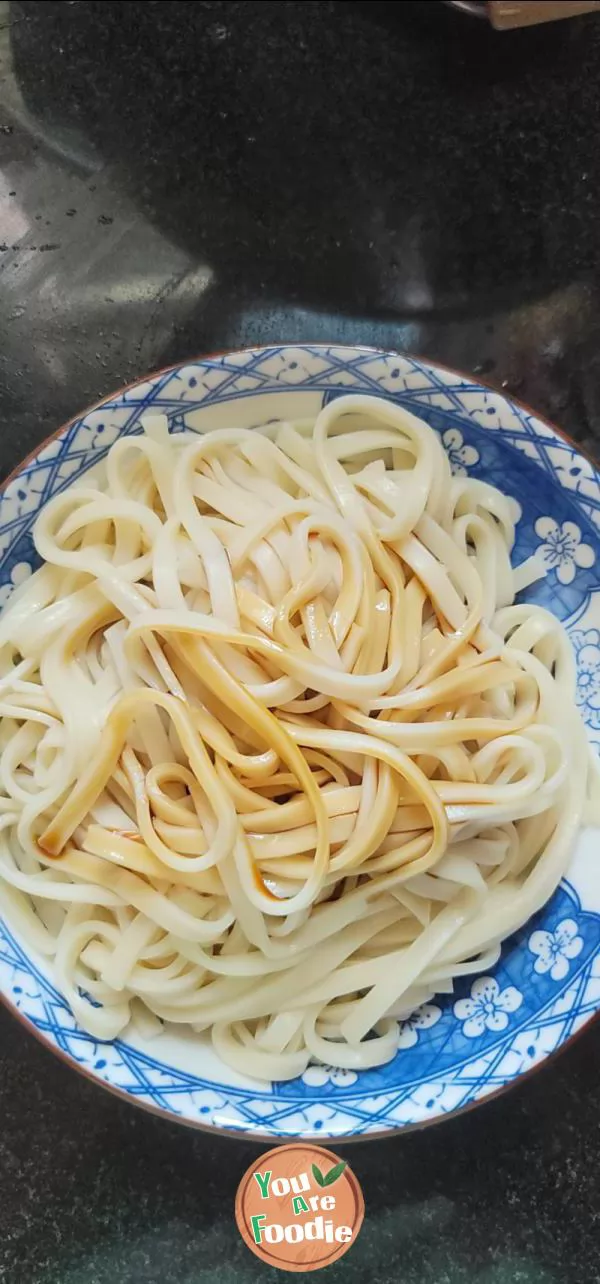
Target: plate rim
<point x="257" y="1135"/>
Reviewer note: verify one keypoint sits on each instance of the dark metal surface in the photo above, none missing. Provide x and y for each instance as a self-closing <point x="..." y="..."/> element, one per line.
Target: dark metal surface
<point x="188" y="177"/>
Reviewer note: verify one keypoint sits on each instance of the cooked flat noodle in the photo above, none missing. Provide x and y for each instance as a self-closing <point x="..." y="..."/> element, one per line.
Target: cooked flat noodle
<point x="279" y="756"/>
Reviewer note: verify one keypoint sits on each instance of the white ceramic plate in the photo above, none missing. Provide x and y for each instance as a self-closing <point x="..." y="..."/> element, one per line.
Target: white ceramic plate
<point x="456" y="1051"/>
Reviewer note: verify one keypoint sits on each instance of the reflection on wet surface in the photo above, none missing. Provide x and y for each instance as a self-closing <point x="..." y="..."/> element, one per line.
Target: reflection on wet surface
<point x="178" y="178"/>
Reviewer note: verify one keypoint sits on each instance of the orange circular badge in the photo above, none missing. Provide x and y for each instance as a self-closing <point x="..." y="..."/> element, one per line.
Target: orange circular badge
<point x="299" y="1207"/>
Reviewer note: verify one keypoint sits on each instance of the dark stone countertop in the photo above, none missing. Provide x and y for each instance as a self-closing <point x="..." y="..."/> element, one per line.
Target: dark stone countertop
<point x="181" y="178"/>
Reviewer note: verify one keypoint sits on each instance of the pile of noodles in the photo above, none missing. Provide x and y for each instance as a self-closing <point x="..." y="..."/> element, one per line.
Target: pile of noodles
<point x="279" y="757"/>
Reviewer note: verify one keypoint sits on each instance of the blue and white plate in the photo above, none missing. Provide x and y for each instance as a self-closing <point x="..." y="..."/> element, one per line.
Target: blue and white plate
<point x="454" y="1051"/>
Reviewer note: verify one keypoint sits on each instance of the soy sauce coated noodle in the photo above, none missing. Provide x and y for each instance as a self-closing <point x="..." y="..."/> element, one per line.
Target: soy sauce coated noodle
<point x="279" y="756"/>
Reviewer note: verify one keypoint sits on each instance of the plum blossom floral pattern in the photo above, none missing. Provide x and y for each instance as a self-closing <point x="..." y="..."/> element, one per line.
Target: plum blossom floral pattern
<point x="556" y="949"/>
<point x="20" y="572"/>
<point x="562" y="549"/>
<point x="586" y="644"/>
<point x="447" y="1068"/>
<point x="421" y="1019"/>
<point x="489" y="1007"/>
<point x="318" y="1076"/>
<point x="461" y="456"/>
<point x="291" y="365"/>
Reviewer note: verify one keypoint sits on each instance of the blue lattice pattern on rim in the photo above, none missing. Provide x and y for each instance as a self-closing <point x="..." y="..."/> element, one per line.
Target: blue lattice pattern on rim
<point x="547" y="983"/>
<point x="449" y="1075"/>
